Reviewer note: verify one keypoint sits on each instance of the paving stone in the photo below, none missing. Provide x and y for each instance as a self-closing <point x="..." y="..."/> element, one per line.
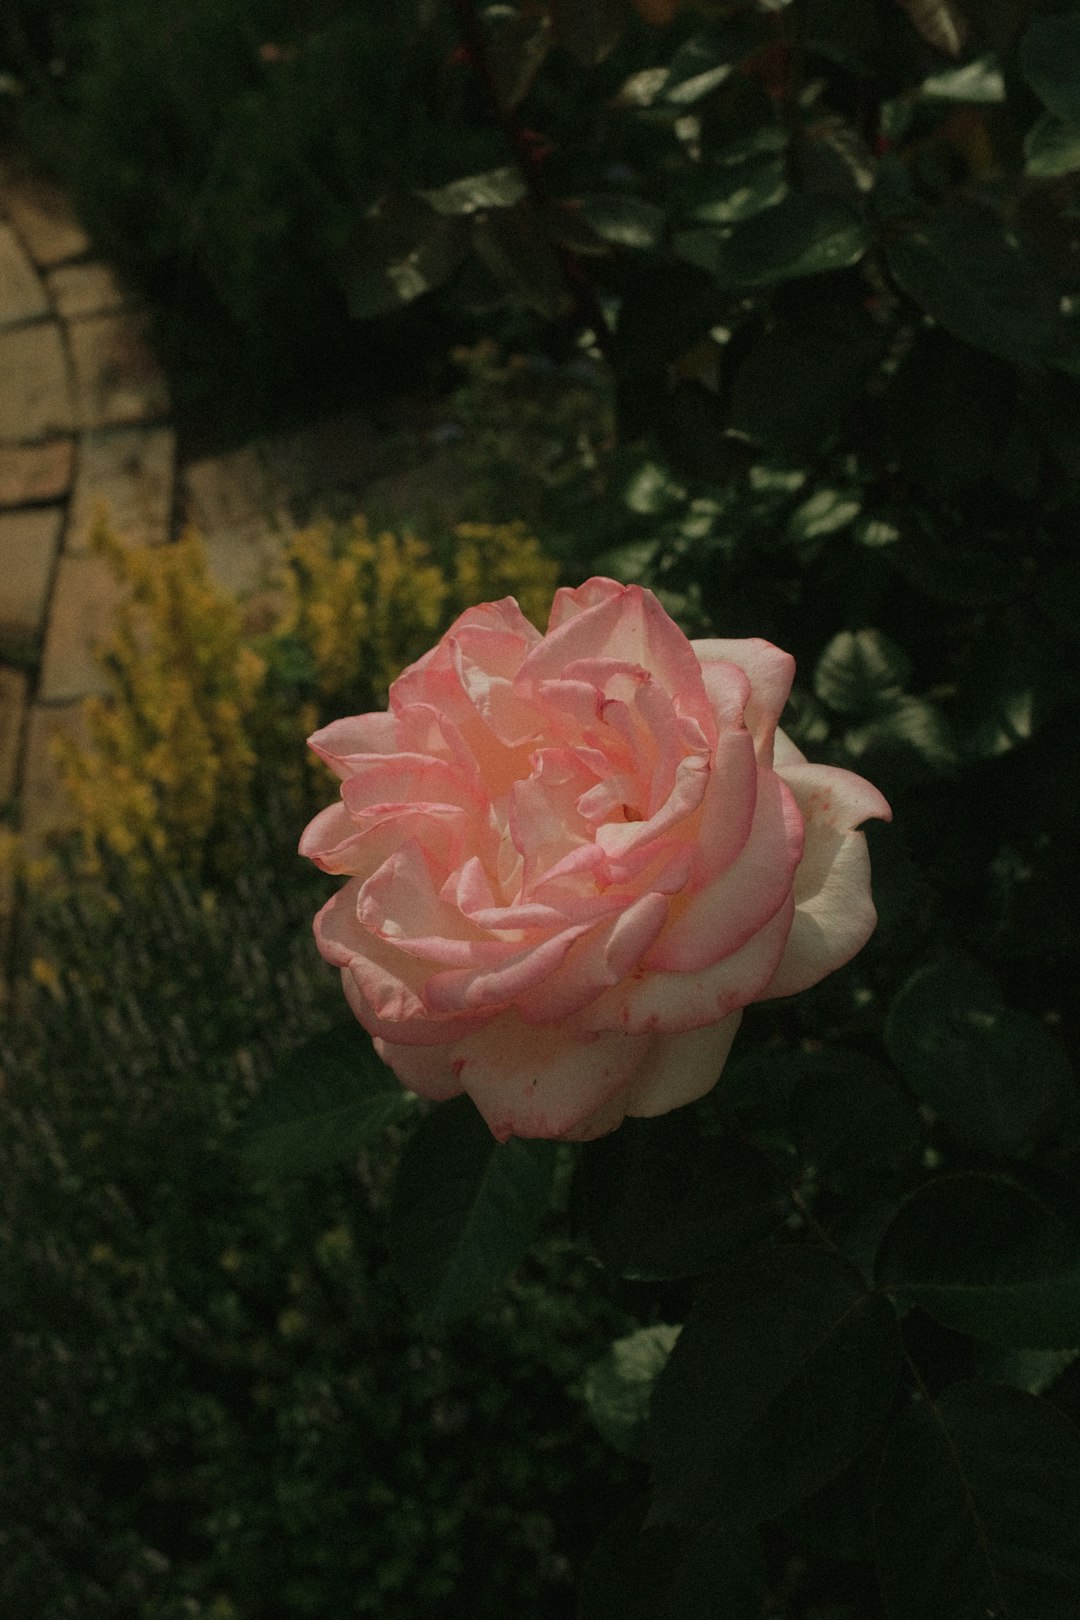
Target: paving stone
<point x="29" y="542"/>
<point x="22" y="296"/>
<point x="44" y="807"/>
<point x="117" y="377"/>
<point x="231" y="493"/>
<point x="32" y="473"/>
<point x="35" y="396"/>
<point x="40" y="212"/>
<point x="131" y="472"/>
<point x="83" y="608"/>
<point x="88" y="289"/>
<point x="14" y="693"/>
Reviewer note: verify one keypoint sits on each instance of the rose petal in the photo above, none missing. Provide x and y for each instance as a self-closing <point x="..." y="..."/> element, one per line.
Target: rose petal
<point x="727" y="808"/>
<point x="373" y="779"/>
<point x="785" y="752"/>
<point x="426" y="1070"/>
<point x="721" y="918"/>
<point x="537" y="1080"/>
<point x="770" y="672"/>
<point x="465" y="990"/>
<point x="728" y="688"/>
<point x="359" y="734"/>
<point x="666" y="1003"/>
<point x="325" y="834"/>
<point x="422" y="1031"/>
<point x="601" y="958"/>
<point x="570" y="601"/>
<point x="377" y="831"/>
<point x="682" y="1068"/>
<point x="628" y="624"/>
<point x="400" y="904"/>
<point x="617" y="839"/>
<point x="840" y="799"/>
<point x="834" y="909"/>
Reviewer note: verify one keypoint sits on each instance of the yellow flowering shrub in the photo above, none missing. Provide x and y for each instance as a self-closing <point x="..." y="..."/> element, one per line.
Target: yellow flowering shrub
<point x="362" y="607"/>
<point x="175" y="730"/>
<point x="205" y="716"/>
<point x="490" y="560"/>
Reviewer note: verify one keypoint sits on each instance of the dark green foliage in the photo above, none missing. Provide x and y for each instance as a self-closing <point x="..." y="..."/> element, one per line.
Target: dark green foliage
<point x="979" y="1509"/>
<point x="656" y="1573"/>
<point x="815" y="1358"/>
<point x="466" y="1208"/>
<point x="822" y="262"/>
<point x="212" y="1401"/>
<point x="322" y="1105"/>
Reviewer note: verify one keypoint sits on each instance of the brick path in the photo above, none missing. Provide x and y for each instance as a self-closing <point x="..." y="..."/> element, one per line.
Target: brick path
<point x="84" y="419"/>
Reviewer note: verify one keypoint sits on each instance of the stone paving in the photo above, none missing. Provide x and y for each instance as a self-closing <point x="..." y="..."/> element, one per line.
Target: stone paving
<point x="85" y="422"/>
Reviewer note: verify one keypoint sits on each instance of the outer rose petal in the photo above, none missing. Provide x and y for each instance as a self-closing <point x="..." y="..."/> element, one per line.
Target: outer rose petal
<point x="359" y="734"/>
<point x="532" y="1080"/>
<point x="834" y="910"/>
<point x="682" y="1068"/>
<point x="771" y="673"/>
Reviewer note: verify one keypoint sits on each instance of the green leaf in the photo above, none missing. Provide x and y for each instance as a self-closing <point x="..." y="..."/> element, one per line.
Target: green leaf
<point x="841" y="1114"/>
<point x="998" y="1079"/>
<point x="850" y="1122"/>
<point x="658" y="1573"/>
<point x="517" y="250"/>
<point x="402" y="250"/>
<point x="618" y="1387"/>
<point x="1050" y="62"/>
<point x="806" y="234"/>
<point x="1051" y="148"/>
<point x="824" y="512"/>
<point x="979" y="282"/>
<point x="465" y="1210"/>
<point x="498" y="188"/>
<point x="653" y="490"/>
<point x="783" y="1373"/>
<point x="724" y="193"/>
<point x="978" y="1509"/>
<point x="705" y="61"/>
<point x="984" y="1256"/>
<point x="801" y="380"/>
<point x="838" y="1521"/>
<point x="950" y="568"/>
<point x="623" y="219"/>
<point x="980" y="82"/>
<point x="659" y="1200"/>
<point x="323" y="1103"/>
<point x="859" y="671"/>
<point x="913" y="730"/>
<point x="940" y="22"/>
<point x="1009" y="687"/>
<point x="1031" y="1370"/>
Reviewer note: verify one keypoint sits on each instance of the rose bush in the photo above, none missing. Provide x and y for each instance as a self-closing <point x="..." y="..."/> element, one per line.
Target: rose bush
<point x="573" y="859"/>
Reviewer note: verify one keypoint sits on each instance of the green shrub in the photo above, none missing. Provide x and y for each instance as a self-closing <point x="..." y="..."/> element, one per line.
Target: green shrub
<point x="213" y="1403"/>
<point x="222" y="154"/>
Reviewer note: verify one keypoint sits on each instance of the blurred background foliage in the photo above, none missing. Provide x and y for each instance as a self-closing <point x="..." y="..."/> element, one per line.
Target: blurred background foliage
<point x="772" y="307"/>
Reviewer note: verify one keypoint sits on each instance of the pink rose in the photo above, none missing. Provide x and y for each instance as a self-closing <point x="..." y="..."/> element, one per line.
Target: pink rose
<point x="572" y="860"/>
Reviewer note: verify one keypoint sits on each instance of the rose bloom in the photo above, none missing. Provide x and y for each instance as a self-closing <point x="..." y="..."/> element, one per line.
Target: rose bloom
<point x="572" y="859"/>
